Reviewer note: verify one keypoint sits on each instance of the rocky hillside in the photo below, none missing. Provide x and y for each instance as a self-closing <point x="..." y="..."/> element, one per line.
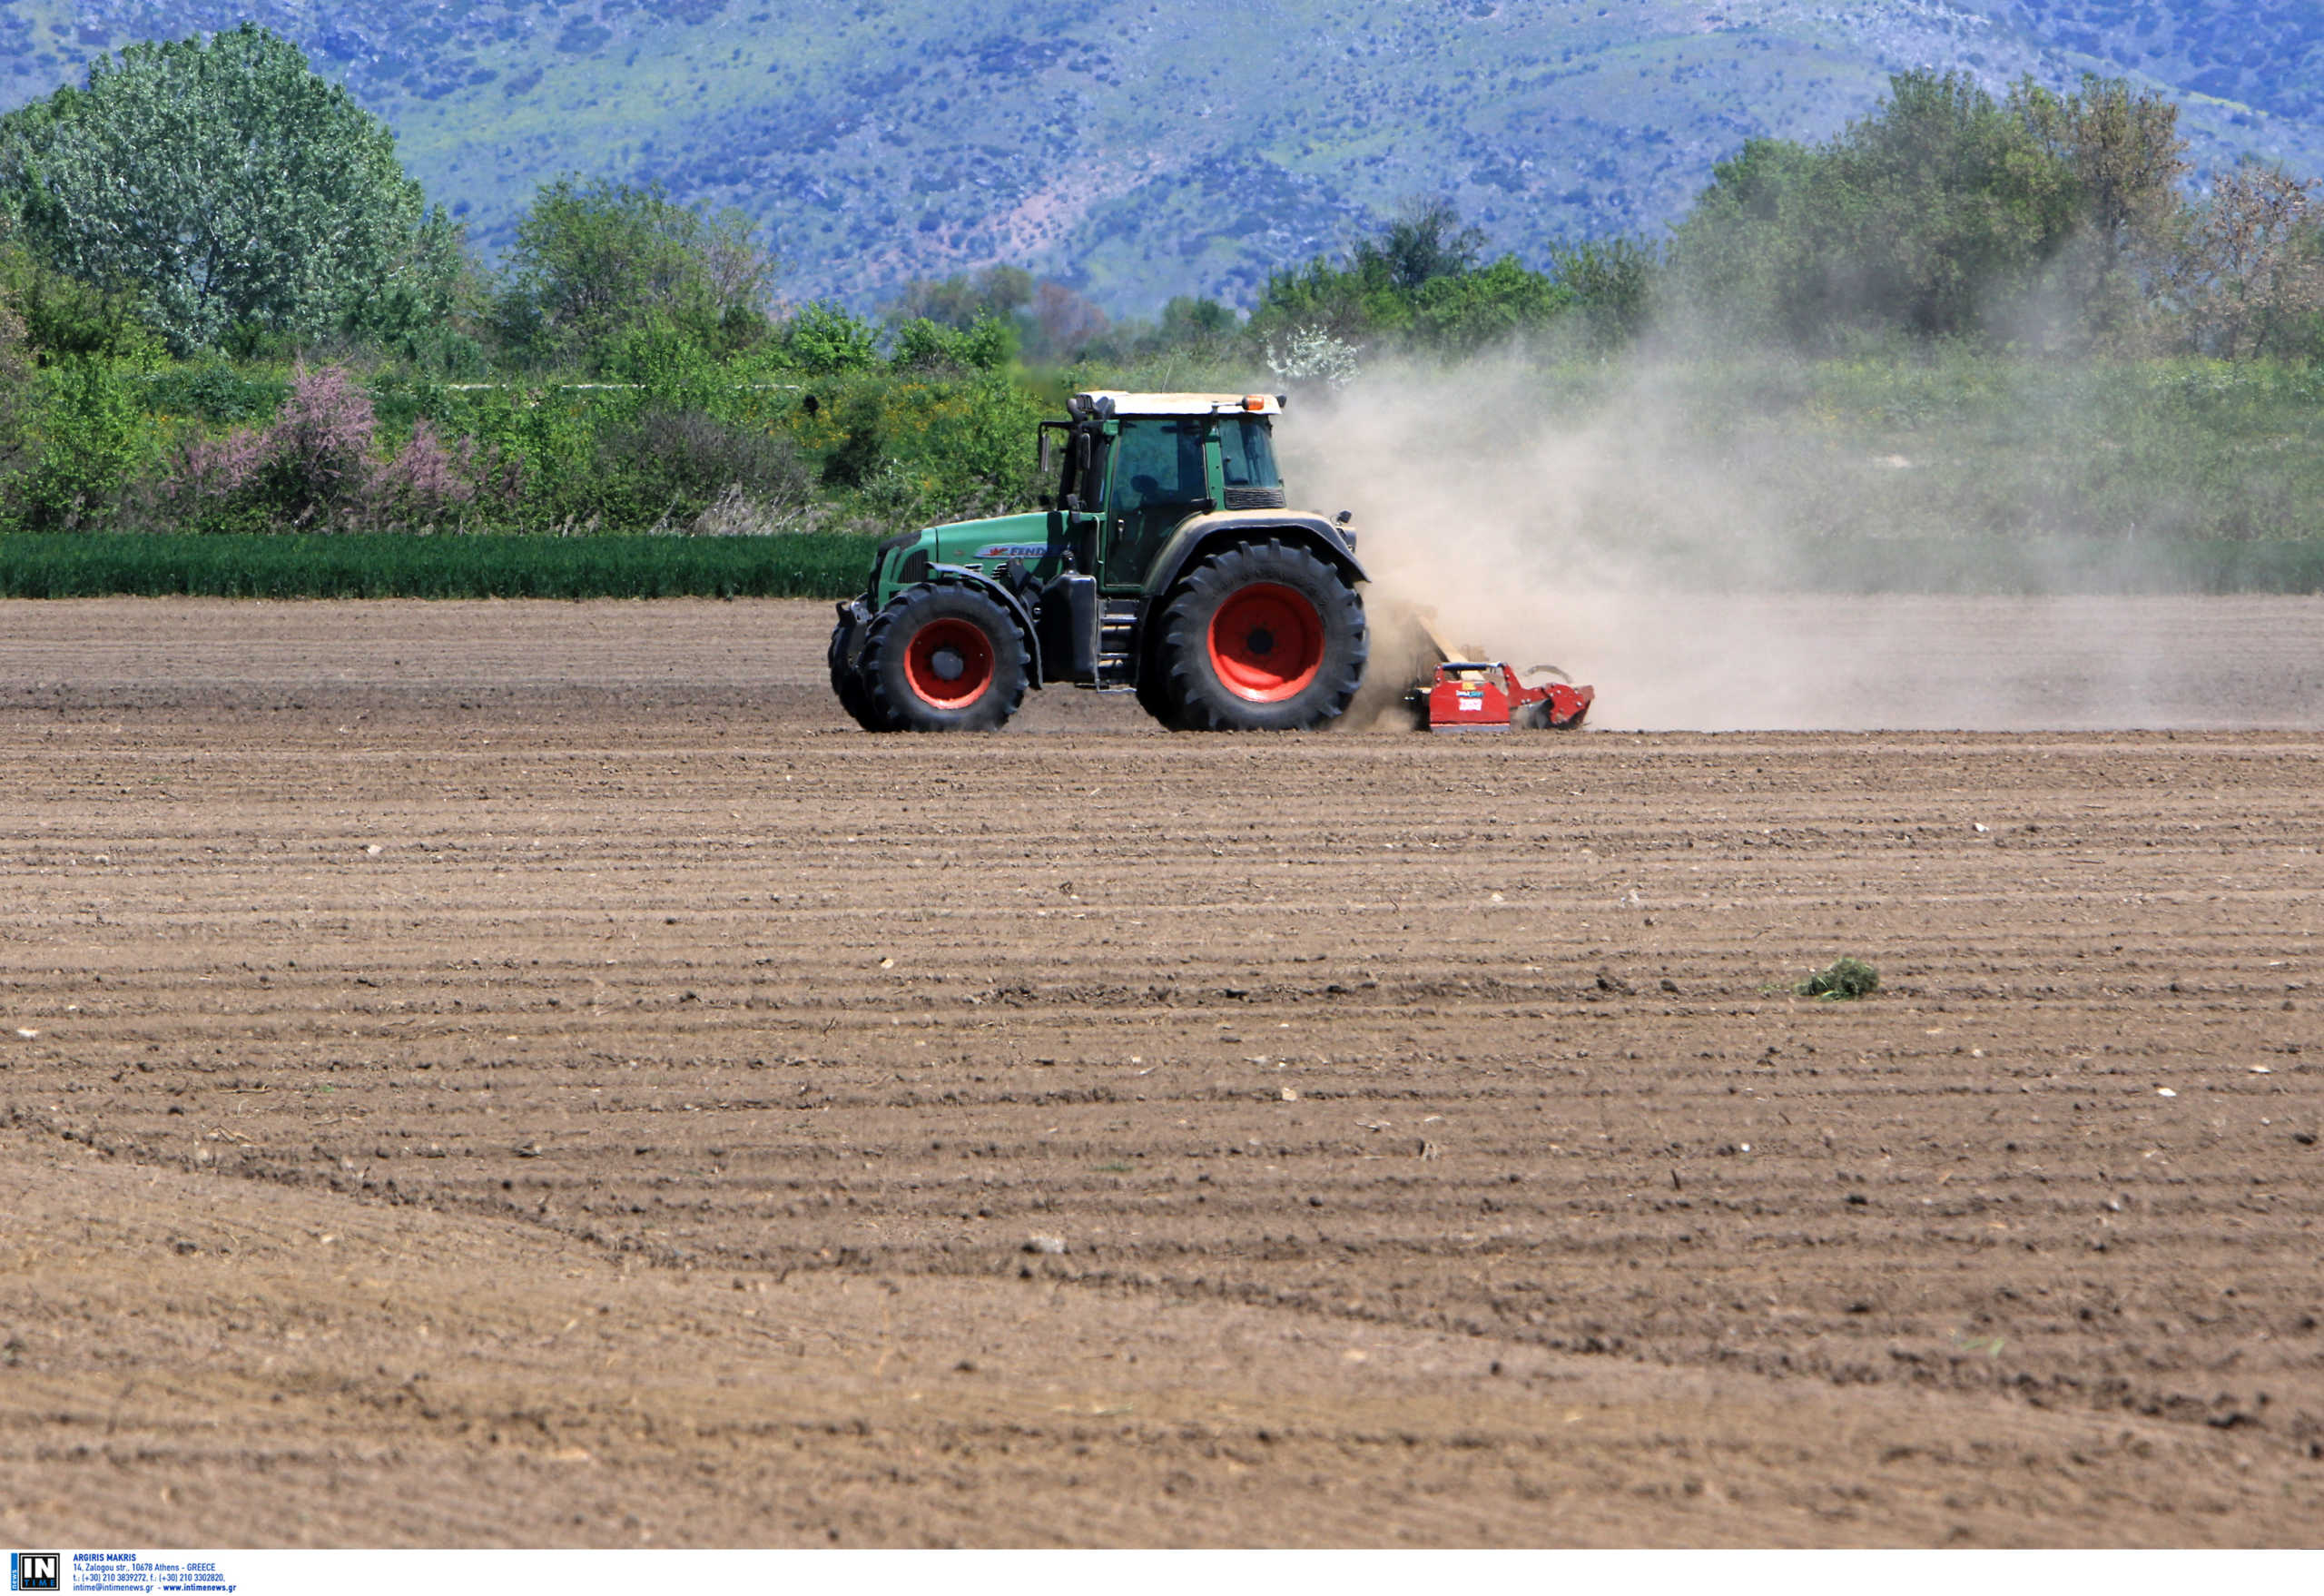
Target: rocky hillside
<point x="1141" y="149"/>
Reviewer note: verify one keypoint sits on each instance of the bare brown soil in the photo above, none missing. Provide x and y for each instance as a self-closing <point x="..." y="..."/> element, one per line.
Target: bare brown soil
<point x="483" y="1074"/>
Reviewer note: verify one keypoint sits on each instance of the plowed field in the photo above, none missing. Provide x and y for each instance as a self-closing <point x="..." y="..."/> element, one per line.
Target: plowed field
<point x="535" y="1075"/>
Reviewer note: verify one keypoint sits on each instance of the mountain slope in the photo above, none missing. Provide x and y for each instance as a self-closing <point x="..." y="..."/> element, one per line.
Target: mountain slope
<point x="1140" y="150"/>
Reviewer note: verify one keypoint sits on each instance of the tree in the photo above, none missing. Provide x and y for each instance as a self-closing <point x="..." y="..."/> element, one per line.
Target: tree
<point x="2127" y="159"/>
<point x="1061" y="323"/>
<point x="960" y="302"/>
<point x="2249" y="275"/>
<point x="1417" y="282"/>
<point x="2125" y="152"/>
<point x="1425" y="242"/>
<point x="221" y="183"/>
<point x="595" y="261"/>
<point x="1927" y="216"/>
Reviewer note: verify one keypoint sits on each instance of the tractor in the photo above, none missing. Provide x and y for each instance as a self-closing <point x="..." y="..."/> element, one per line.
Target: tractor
<point x="1167" y="564"/>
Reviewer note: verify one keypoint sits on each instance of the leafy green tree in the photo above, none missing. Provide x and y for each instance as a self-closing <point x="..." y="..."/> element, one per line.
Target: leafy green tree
<point x="1189" y="323"/>
<point x="1001" y="292"/>
<point x="2127" y="160"/>
<point x="219" y="182"/>
<point x="1463" y="313"/>
<point x="57" y="316"/>
<point x="822" y="339"/>
<point x="1612" y="282"/>
<point x="1939" y="215"/>
<point x="1417" y="284"/>
<point x="985" y="344"/>
<point x="595" y="261"/>
<point x="1424" y="243"/>
<point x="2122" y="145"/>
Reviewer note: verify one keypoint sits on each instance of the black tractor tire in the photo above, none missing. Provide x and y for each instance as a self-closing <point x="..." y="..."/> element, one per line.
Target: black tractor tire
<point x="847" y="678"/>
<point x="1154" y="690"/>
<point x="944" y="658"/>
<point x="1261" y="637"/>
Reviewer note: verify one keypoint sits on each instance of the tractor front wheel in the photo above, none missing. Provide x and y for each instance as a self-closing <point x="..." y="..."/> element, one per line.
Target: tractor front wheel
<point x="943" y="657"/>
<point x="1262" y="637"/>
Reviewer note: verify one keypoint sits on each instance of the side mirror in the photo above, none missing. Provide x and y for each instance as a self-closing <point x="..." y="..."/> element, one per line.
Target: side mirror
<point x="1083" y="454"/>
<point x="1047" y="466"/>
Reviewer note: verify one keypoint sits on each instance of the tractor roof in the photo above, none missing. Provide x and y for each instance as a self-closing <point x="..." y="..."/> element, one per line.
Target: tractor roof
<point x="1112" y="401"/>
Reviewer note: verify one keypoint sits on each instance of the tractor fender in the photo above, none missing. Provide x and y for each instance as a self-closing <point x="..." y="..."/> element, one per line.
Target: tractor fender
<point x="961" y="576"/>
<point x="1196" y="536"/>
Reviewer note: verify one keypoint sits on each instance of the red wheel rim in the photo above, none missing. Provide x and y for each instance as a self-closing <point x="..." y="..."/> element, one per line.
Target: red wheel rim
<point x="949" y="663"/>
<point x="1266" y="641"/>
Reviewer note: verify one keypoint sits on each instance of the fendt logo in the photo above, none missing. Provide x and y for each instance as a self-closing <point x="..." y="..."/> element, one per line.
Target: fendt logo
<point x="36" y="1570"/>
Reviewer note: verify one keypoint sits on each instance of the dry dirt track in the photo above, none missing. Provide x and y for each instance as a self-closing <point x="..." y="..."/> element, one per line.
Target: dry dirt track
<point x="532" y="1074"/>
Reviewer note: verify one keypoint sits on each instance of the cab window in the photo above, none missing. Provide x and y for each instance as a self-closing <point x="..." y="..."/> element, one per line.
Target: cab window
<point x="1246" y="453"/>
<point x="1157" y="460"/>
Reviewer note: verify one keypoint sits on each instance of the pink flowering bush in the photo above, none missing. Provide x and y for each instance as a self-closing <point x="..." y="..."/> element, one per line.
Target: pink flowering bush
<point x="320" y="457"/>
<point x="312" y="467"/>
<point x="426" y="478"/>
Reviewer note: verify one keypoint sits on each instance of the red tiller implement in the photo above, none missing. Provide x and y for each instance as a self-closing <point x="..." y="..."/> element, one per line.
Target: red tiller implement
<point x="1476" y="695"/>
<point x="1486" y="695"/>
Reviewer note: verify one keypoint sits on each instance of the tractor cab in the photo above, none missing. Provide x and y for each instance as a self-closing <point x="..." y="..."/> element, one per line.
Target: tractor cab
<point x="1135" y="466"/>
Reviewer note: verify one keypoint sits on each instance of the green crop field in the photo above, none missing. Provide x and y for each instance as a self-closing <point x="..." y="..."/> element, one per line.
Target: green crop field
<point x="80" y="565"/>
<point x="287" y="566"/>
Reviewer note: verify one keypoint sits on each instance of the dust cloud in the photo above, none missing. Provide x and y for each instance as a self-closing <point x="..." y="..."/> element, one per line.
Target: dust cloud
<point x="1609" y="533"/>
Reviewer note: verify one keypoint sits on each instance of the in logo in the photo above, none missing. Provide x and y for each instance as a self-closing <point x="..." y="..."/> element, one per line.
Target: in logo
<point x="36" y="1570"/>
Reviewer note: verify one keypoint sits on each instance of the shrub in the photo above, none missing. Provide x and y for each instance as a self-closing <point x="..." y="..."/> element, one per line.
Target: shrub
<point x="670" y="467"/>
<point x="922" y="345"/>
<point x="213" y="390"/>
<point x="913" y="451"/>
<point x="1841" y="980"/>
<point x="87" y="440"/>
<point x="824" y="339"/>
<point x="431" y="484"/>
<point x="312" y="467"/>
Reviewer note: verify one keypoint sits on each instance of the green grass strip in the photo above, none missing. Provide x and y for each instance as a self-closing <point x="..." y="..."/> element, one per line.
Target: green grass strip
<point x="81" y="565"/>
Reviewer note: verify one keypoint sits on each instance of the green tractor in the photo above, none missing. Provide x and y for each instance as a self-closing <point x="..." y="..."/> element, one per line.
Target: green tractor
<point x="1167" y="565"/>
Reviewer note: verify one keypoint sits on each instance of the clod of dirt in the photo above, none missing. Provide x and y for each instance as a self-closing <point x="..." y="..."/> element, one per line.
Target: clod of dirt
<point x="1051" y="1245"/>
<point x="1608" y="981"/>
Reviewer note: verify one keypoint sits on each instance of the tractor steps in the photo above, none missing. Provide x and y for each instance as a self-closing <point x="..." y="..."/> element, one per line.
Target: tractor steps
<point x="1116" y="634"/>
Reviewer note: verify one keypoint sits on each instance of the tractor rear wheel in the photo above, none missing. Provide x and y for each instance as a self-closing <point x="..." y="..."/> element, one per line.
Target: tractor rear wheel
<point x="944" y="658"/>
<point x="1154" y="690"/>
<point x="1262" y="637"/>
<point x="847" y="679"/>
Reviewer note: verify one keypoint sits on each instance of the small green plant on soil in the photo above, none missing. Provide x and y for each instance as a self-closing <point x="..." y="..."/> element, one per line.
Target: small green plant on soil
<point x="1840" y="980"/>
